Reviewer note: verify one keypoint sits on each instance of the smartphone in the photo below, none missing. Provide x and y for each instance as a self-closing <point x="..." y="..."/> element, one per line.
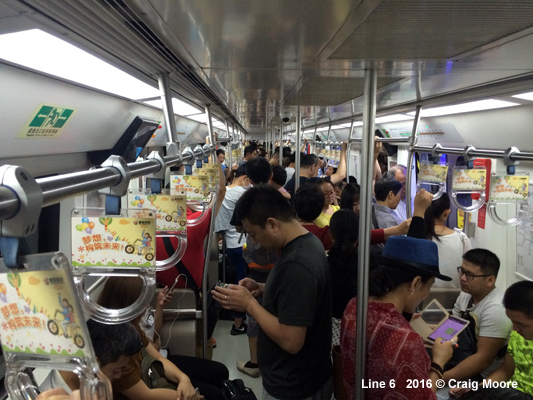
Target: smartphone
<point x="448" y="329"/>
<point x="173" y="285"/>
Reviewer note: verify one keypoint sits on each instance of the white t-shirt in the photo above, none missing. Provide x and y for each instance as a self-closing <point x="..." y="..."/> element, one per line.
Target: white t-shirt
<point x="451" y="249"/>
<point x="290" y="173"/>
<point x="491" y="320"/>
<point x="222" y="222"/>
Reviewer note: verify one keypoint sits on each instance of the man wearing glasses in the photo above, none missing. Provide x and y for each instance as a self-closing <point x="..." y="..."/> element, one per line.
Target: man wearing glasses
<point x="483" y="344"/>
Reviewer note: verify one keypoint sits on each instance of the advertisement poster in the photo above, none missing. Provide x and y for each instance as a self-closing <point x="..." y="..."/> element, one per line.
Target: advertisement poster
<point x="469" y="179"/>
<point x="195" y="187"/>
<point x="509" y="187"/>
<point x="432" y="172"/>
<point x="114" y="241"/>
<point x="38" y="314"/>
<point x="170" y="209"/>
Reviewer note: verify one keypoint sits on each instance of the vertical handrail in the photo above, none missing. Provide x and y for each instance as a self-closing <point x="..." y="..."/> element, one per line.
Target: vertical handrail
<point x="210" y="132"/>
<point x="168" y="110"/>
<point x="410" y="159"/>
<point x="369" y="114"/>
<point x="281" y="142"/>
<point x="298" y="152"/>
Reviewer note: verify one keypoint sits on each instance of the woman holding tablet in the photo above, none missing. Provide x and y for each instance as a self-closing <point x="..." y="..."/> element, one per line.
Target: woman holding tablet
<point x="397" y="360"/>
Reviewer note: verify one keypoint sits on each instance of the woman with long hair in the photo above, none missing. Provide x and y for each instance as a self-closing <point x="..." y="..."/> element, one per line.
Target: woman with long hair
<point x="452" y="243"/>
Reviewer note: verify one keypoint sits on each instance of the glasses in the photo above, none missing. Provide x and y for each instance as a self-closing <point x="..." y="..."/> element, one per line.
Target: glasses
<point x="469" y="275"/>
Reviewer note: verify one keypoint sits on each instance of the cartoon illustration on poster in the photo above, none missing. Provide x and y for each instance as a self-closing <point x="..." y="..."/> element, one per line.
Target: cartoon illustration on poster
<point x="170" y="209"/>
<point x="216" y="171"/>
<point x="114" y="240"/>
<point x="469" y="179"/>
<point x="509" y="187"/>
<point x="432" y="172"/>
<point x="209" y="173"/>
<point x="196" y="187"/>
<point x="38" y="314"/>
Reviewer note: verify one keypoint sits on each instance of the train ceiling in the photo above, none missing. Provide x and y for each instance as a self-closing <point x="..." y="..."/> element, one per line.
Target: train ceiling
<point x="250" y="58"/>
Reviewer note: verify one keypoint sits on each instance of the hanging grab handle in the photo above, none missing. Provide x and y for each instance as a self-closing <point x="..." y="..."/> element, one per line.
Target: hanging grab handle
<point x="509" y="189"/>
<point x="163" y="265"/>
<point x="469" y="181"/>
<point x="111" y="315"/>
<point x="522" y="212"/>
<point x="433" y="175"/>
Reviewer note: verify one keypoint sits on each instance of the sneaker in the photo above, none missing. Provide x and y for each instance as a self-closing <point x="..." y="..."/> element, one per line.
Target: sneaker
<point x="248" y="368"/>
<point x="240" y="330"/>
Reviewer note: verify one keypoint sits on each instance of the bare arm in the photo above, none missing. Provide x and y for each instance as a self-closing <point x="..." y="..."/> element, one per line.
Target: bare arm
<point x="341" y="169"/>
<point x="487" y="349"/>
<point x="241" y="298"/>
<point x="186" y="390"/>
<point x="377" y="169"/>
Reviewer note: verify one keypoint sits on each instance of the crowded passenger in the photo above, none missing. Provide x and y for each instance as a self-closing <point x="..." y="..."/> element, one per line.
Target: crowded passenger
<point x="250" y="152"/>
<point x="234" y="239"/>
<point x="350" y="197"/>
<point x="221" y="157"/>
<point x="279" y="177"/>
<point x="452" y="243"/>
<point x="484" y="342"/>
<point x="399" y="172"/>
<point x="294" y="342"/>
<point x="517" y="365"/>
<point x="308" y="204"/>
<point x="387" y="191"/>
<point x="193" y="372"/>
<point x="330" y="205"/>
<point x="395" y="352"/>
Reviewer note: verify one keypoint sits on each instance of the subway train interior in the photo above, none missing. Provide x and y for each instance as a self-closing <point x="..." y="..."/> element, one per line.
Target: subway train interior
<point x="102" y="100"/>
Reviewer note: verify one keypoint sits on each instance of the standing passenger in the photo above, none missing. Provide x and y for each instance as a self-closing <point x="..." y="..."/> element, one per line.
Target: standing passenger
<point x="452" y="243"/>
<point x="294" y="343"/>
<point x="388" y="194"/>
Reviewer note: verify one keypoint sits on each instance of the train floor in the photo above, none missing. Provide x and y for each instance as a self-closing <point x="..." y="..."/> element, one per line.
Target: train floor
<point x="231" y="349"/>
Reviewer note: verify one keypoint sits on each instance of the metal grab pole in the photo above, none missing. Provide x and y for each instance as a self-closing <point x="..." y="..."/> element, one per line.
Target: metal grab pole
<point x="367" y="168"/>
<point x="298" y="153"/>
<point x="410" y="159"/>
<point x="281" y="143"/>
<point x="210" y="132"/>
<point x="168" y="110"/>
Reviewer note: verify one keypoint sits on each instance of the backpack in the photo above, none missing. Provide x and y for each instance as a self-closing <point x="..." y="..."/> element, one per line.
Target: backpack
<point x="153" y="373"/>
<point x="235" y="390"/>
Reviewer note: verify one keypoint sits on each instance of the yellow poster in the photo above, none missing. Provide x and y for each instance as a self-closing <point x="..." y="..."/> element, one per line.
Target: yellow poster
<point x="432" y="172"/>
<point x="115" y="241"/>
<point x="509" y="187"/>
<point x="195" y="187"/>
<point x="170" y="209"/>
<point x="469" y="179"/>
<point x="38" y="314"/>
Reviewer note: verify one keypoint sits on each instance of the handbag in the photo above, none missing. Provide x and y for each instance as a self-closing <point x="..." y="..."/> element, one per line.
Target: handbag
<point x="235" y="390"/>
<point x="153" y="373"/>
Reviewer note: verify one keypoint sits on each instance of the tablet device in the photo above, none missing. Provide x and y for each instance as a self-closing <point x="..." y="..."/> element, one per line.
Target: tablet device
<point x="448" y="329"/>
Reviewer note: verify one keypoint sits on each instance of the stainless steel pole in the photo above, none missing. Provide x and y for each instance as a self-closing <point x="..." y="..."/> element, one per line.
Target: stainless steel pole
<point x="410" y="159"/>
<point x="298" y="153"/>
<point x="367" y="168"/>
<point x="210" y="132"/>
<point x="168" y="110"/>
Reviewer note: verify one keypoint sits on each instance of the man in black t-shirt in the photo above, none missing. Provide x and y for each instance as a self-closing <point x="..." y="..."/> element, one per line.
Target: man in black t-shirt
<point x="294" y="343"/>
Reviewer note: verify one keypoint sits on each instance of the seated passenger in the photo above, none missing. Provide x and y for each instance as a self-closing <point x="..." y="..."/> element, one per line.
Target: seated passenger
<point x="113" y="345"/>
<point x="452" y="243"/>
<point x="193" y="372"/>
<point x="484" y="342"/>
<point x="518" y="362"/>
<point x="395" y="351"/>
<point x="387" y="191"/>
